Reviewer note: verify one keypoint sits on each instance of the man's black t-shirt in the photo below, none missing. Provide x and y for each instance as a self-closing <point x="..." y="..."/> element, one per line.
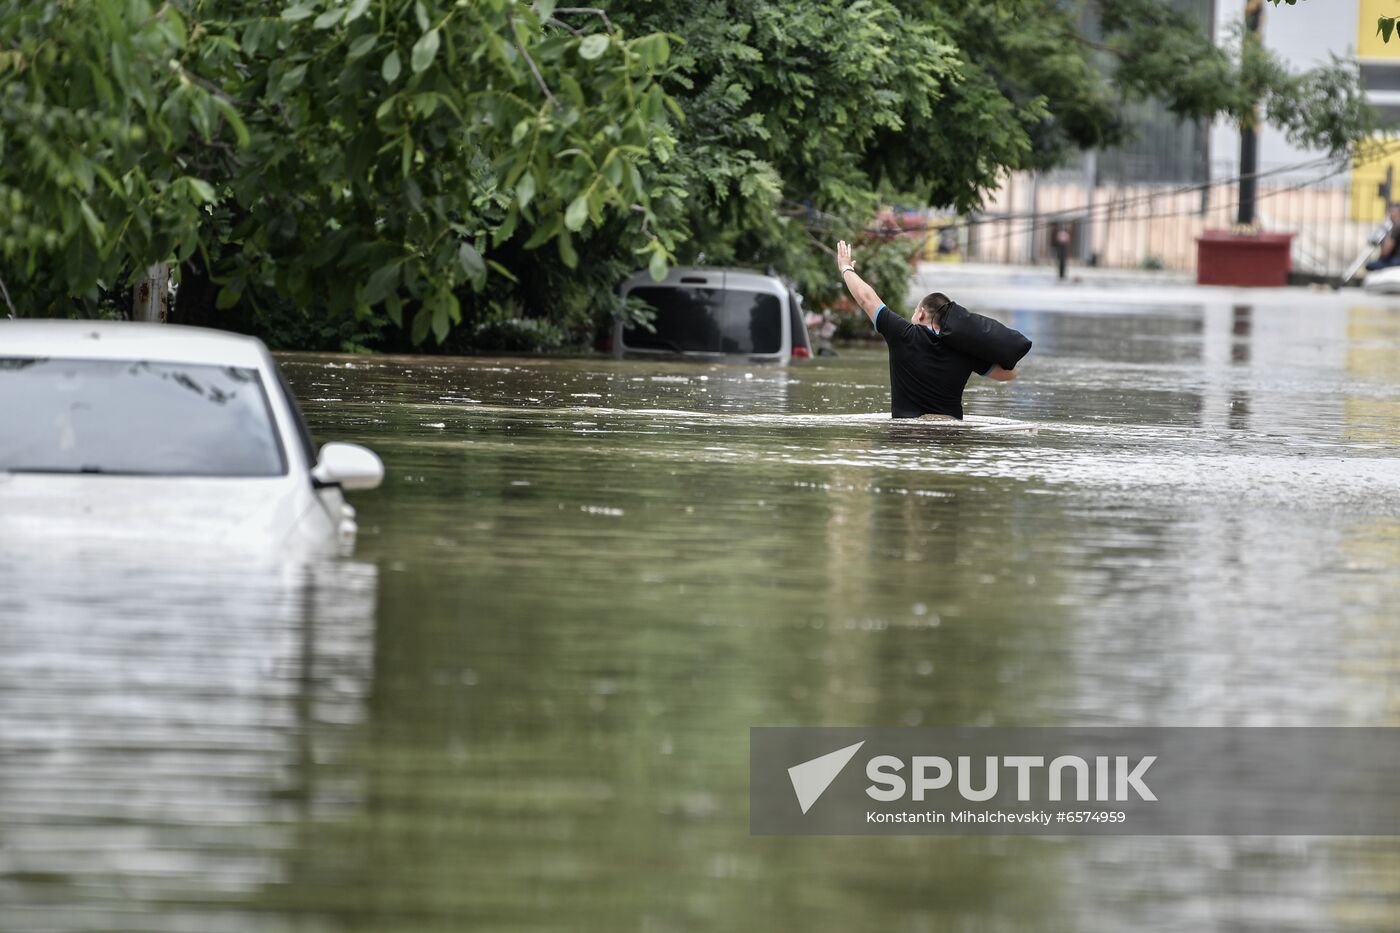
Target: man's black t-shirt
<point x="926" y="376"/>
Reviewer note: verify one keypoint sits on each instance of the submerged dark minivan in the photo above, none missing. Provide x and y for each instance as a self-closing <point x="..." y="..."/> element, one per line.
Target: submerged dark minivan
<point x="716" y="313"/>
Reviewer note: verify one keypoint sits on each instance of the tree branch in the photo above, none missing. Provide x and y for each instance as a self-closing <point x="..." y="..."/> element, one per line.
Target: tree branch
<point x="208" y="85"/>
<point x="593" y="10"/>
<point x="160" y="12"/>
<point x="818" y="243"/>
<point x="563" y="25"/>
<point x="1090" y="43"/>
<point x="646" y="218"/>
<point x="534" y="69"/>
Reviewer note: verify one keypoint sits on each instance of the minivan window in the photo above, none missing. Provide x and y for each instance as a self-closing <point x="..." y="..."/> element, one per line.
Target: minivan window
<point x="684" y="321"/>
<point x="709" y="320"/>
<point x="752" y="322"/>
<point x="132" y="417"/>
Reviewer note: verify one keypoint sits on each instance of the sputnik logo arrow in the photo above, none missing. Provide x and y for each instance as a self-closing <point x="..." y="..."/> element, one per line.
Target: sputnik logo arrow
<point x="811" y="778"/>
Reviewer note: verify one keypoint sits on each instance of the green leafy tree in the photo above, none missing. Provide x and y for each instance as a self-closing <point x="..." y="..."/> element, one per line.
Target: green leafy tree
<point x="352" y="173"/>
<point x="418" y="136"/>
<point x="362" y="157"/>
<point x="801" y="118"/>
<point x="97" y="118"/>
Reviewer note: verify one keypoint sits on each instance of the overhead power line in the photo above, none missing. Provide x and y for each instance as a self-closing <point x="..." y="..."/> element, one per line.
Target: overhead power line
<point x="1115" y="209"/>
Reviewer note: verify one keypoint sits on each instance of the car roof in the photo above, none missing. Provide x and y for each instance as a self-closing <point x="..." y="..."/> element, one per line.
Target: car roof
<point x="127" y="340"/>
<point x="746" y="279"/>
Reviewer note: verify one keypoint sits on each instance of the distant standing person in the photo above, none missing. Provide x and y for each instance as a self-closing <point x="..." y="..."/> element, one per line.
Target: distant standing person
<point x="927" y="377"/>
<point x="1389" y="254"/>
<point x="1062" y="248"/>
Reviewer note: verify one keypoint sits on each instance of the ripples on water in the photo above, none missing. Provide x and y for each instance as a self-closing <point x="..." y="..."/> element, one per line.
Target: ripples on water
<point x="525" y="703"/>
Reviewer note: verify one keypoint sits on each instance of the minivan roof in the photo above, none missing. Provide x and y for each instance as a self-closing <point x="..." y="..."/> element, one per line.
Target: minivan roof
<point x="746" y="279"/>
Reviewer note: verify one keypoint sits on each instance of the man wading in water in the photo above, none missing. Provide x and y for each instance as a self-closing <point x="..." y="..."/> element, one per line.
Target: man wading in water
<point x="926" y="376"/>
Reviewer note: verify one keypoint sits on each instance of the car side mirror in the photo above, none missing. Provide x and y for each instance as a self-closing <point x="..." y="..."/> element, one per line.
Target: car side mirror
<point x="348" y="466"/>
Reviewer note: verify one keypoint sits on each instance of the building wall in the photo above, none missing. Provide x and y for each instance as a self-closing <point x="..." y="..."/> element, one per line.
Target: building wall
<point x="1369" y="43"/>
<point x="1163" y="148"/>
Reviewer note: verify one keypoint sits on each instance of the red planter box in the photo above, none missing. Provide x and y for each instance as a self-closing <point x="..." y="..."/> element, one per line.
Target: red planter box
<point x="1259" y="261"/>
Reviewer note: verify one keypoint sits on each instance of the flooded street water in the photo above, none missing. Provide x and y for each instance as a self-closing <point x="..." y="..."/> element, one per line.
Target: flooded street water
<point x="524" y="703"/>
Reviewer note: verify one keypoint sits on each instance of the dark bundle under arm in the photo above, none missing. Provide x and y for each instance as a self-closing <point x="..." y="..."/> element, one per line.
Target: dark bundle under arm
<point x="982" y="338"/>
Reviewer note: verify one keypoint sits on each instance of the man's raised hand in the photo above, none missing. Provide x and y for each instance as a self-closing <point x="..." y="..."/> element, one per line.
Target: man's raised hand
<point x="864" y="295"/>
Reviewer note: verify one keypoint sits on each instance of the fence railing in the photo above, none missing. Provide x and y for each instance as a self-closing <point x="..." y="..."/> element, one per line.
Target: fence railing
<point x="1156" y="225"/>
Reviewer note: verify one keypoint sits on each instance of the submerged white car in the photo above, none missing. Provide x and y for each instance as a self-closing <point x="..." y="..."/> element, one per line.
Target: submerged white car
<point x="113" y="431"/>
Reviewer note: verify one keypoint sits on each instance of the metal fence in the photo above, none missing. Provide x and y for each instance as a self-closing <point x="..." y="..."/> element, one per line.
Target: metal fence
<point x="1156" y="225"/>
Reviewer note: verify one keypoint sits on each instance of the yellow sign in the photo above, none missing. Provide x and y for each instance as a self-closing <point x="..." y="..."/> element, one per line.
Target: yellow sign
<point x="1367" y="175"/>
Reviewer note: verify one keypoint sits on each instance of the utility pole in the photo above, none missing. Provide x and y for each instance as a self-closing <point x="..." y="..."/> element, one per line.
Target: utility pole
<point x="1086" y="225"/>
<point x="1035" y="219"/>
<point x="1249" y="137"/>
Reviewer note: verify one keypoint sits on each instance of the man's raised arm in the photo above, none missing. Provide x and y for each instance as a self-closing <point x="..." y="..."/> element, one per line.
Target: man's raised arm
<point x="863" y="294"/>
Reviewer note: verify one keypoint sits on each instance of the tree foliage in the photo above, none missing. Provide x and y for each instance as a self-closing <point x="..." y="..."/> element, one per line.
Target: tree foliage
<point x="379" y="172"/>
<point x="362" y="157"/>
<point x="1322" y="108"/>
<point x="98" y="120"/>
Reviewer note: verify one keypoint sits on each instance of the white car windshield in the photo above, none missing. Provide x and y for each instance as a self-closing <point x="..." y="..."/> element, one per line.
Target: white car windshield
<point x="133" y="417"/>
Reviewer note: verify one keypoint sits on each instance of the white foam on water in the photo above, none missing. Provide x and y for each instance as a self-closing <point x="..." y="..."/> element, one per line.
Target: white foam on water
<point x="974" y="423"/>
<point x="1174" y="461"/>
